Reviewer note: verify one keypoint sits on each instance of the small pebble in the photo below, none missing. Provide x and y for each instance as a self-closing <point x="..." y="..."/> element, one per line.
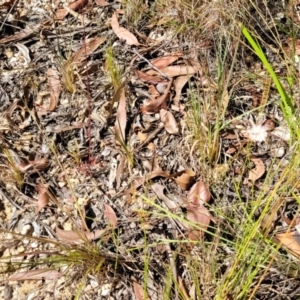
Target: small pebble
<point x="94" y="284"/>
<point x="21" y="249"/>
<point x="34" y="244"/>
<point x="26" y="229"/>
<point x="105" y="289"/>
<point x="132" y="225"/>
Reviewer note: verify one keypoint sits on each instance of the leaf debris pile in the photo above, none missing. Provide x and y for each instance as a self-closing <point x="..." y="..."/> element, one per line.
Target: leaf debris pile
<point x="118" y="159"/>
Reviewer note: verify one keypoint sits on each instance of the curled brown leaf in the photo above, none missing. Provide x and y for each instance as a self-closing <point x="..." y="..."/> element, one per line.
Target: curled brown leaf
<point x="62" y="12"/>
<point x="169" y="121"/>
<point x="184" y="178"/>
<point x="151" y="106"/>
<point x="258" y="171"/>
<point x="288" y="240"/>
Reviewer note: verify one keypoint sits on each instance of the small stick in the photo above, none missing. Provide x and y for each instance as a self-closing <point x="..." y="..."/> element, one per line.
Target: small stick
<point x="151" y="136"/>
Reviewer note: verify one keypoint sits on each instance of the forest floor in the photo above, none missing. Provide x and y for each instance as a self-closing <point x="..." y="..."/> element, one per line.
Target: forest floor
<point x="149" y="149"/>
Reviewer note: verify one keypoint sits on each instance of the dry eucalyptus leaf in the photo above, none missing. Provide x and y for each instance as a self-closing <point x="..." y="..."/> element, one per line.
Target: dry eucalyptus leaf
<point x="287" y="239"/>
<point x="184" y="178"/>
<point x="62" y="12"/>
<point x="148" y="78"/>
<point x="121" y="119"/>
<point x="179" y="83"/>
<point x="139" y="292"/>
<point x="35" y="275"/>
<point x="55" y="88"/>
<point x="163" y="62"/>
<point x="78" y="236"/>
<point x="120" y="171"/>
<point x="43" y="198"/>
<point x="25" y="33"/>
<point x="169" y="121"/>
<point x="196" y="211"/>
<point x="153" y="91"/>
<point x="173" y="71"/>
<point x="198" y="194"/>
<point x="111" y="215"/>
<point x="87" y="49"/>
<point x="158" y="189"/>
<point x="102" y="3"/>
<point x="151" y="106"/>
<point x="201" y="217"/>
<point x="123" y="33"/>
<point x="258" y="171"/>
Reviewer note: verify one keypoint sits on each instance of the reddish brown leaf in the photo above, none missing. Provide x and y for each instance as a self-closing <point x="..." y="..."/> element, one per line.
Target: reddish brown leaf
<point x="123" y="33"/>
<point x="87" y="49"/>
<point x="110" y="215"/>
<point x="43" y="198"/>
<point x="78" y="236"/>
<point x="169" y="121"/>
<point x="148" y="78"/>
<point x="178" y="70"/>
<point x="201" y="217"/>
<point x="151" y="106"/>
<point x="198" y="194"/>
<point x="258" y="171"/>
<point x="55" y="88"/>
<point x="62" y="13"/>
<point x="139" y="292"/>
<point x="163" y="62"/>
<point x="196" y="211"/>
<point x="102" y="3"/>
<point x="184" y="178"/>
<point x="120" y="124"/>
<point x="35" y="275"/>
<point x="179" y="83"/>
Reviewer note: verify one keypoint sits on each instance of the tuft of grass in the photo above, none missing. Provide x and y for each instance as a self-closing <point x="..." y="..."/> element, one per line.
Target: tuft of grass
<point x="113" y="68"/>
